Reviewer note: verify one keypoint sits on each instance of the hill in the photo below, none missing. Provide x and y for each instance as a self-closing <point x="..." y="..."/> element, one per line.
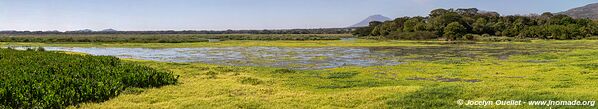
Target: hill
<point x="367" y="21"/>
<point x="588" y="11"/>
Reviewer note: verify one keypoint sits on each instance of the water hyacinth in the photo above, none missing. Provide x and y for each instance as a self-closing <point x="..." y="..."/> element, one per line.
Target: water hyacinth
<point x="34" y="79"/>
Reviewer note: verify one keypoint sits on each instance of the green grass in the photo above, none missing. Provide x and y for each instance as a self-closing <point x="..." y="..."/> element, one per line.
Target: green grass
<point x="554" y="70"/>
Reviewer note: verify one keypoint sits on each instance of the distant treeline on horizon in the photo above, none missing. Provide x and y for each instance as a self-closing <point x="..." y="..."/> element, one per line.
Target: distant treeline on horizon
<point x="280" y="31"/>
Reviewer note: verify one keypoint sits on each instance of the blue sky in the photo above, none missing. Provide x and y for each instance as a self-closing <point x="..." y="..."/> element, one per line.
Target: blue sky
<point x="236" y="14"/>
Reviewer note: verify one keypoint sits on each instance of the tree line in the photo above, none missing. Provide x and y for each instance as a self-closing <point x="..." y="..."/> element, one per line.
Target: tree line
<point x="466" y="24"/>
<point x="279" y="31"/>
<point x="161" y="38"/>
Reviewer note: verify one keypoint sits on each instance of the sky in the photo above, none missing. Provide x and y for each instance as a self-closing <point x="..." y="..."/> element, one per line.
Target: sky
<point x="143" y="15"/>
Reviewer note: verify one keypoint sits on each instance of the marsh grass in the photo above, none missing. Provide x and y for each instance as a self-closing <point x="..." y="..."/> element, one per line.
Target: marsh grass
<point x="341" y="75"/>
<point x="250" y="80"/>
<point x="283" y="71"/>
<point x="363" y="87"/>
<point x="550" y="70"/>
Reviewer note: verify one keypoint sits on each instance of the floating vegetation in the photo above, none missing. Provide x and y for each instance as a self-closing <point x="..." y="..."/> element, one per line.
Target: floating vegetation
<point x="37" y="79"/>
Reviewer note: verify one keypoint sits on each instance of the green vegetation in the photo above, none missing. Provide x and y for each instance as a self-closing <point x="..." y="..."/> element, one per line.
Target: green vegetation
<point x="37" y="79"/>
<point x="416" y="84"/>
<point x="432" y="76"/>
<point x="453" y="24"/>
<point x="161" y="38"/>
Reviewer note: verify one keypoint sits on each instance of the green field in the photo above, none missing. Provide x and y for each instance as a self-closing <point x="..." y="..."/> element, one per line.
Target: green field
<point x="434" y="75"/>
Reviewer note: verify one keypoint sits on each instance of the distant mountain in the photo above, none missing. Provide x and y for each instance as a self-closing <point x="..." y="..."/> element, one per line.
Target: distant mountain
<point x="588" y="11"/>
<point x="367" y="21"/>
<point x="84" y="30"/>
<point x="109" y="30"/>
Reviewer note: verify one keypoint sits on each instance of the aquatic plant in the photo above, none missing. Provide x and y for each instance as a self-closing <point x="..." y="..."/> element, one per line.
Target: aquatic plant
<point x="35" y="79"/>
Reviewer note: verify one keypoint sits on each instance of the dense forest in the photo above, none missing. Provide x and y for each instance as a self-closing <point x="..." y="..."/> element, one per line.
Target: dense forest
<point x="469" y="24"/>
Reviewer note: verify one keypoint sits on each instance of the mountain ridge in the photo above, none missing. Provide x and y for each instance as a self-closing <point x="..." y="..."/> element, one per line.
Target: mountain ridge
<point x="588" y="11"/>
<point x="366" y="22"/>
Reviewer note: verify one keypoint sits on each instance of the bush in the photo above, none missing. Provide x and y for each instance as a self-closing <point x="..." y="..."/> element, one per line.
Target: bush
<point x="40" y="49"/>
<point x="592" y="38"/>
<point x="32" y="79"/>
<point x="486" y="35"/>
<point x="468" y="37"/>
<point x="418" y="35"/>
<point x="502" y="39"/>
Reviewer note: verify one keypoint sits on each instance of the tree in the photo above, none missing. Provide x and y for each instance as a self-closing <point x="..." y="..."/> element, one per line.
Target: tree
<point x="410" y="24"/>
<point x="420" y="26"/>
<point x="480" y="26"/>
<point x="468" y="12"/>
<point x="546" y="15"/>
<point x="375" y="25"/>
<point x="438" y="12"/>
<point x="387" y="28"/>
<point x="499" y="27"/>
<point x="454" y="30"/>
<point x="362" y="31"/>
<point x="453" y="23"/>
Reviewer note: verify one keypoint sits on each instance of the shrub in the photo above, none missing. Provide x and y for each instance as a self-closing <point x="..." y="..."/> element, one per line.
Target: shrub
<point x="502" y="39"/>
<point x="40" y="49"/>
<point x="468" y="37"/>
<point x="592" y="38"/>
<point x="418" y="35"/>
<point x="485" y="35"/>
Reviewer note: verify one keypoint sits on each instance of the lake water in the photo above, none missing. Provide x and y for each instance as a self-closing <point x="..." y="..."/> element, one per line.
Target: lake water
<point x="322" y="57"/>
<point x="286" y="57"/>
